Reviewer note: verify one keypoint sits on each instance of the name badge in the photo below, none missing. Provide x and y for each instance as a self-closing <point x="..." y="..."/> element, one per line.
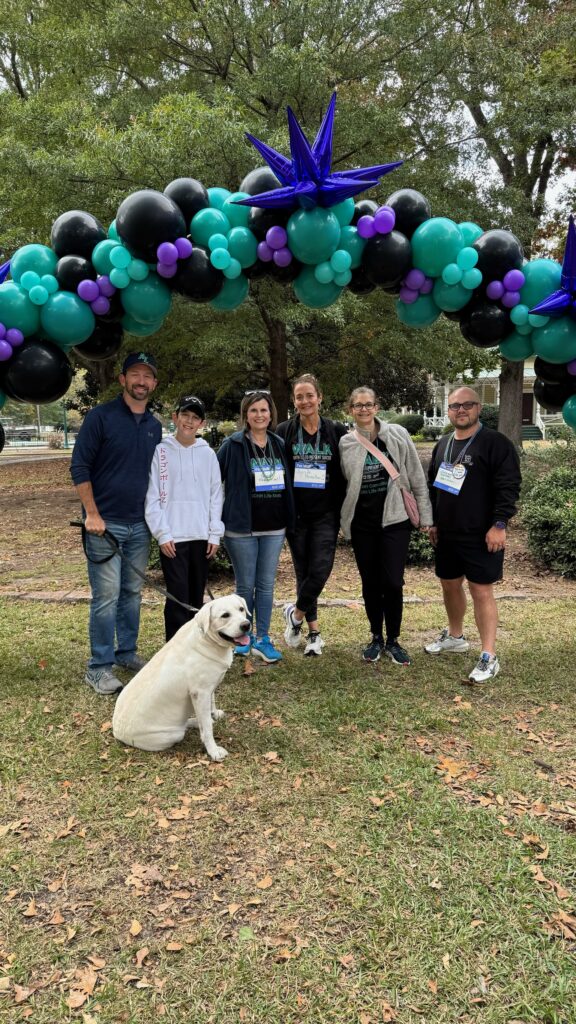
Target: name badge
<point x="268" y="480"/>
<point x="310" y="474"/>
<point x="450" y="478"/>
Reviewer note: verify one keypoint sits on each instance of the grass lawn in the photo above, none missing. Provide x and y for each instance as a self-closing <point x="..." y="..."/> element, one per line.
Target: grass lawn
<point x="380" y="845"/>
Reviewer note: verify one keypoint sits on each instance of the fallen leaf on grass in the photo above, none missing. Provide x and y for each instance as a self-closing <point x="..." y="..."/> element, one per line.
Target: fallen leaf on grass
<point x="433" y="986"/>
<point x="264" y="883"/>
<point x="106" y="726"/>
<point x="21" y="994"/>
<point x="272" y="755"/>
<point x="56" y="918"/>
<point x="249" y="668"/>
<point x="5" y="984"/>
<point x="30" y="910"/>
<point x="347" y="960"/>
<point x="562" y="924"/>
<point x="135" y="928"/>
<point x="233" y="908"/>
<point x="141" y="955"/>
<point x="173" y="947"/>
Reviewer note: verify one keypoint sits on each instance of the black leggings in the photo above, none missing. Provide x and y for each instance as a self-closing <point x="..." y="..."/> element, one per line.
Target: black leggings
<point x="381" y="558"/>
<point x="313" y="546"/>
<point x="185" y="578"/>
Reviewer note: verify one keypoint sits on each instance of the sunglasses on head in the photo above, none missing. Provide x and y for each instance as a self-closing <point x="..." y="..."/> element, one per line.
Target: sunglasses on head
<point x="257" y="391"/>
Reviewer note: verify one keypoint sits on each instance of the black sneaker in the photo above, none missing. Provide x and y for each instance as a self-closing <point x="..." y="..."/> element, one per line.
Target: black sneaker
<point x="396" y="653"/>
<point x="374" y="649"/>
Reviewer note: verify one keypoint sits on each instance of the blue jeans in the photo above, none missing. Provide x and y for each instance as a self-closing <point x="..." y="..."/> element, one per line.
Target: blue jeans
<point x="255" y="560"/>
<point x="116" y="592"/>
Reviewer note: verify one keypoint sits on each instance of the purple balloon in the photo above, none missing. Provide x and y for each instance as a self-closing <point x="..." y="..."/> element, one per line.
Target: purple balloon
<point x="184" y="246"/>
<point x="365" y="227"/>
<point x="167" y="253"/>
<point x="88" y="290"/>
<point x="5" y="351"/>
<point x="513" y="280"/>
<point x="106" y="287"/>
<point x="495" y="290"/>
<point x="414" y="279"/>
<point x="510" y="299"/>
<point x="427" y="287"/>
<point x="276" y="237"/>
<point x="571" y="367"/>
<point x="166" y="269"/>
<point x="265" y="253"/>
<point x="100" y="306"/>
<point x="2" y="331"/>
<point x="282" y="257"/>
<point x="408" y="295"/>
<point x="14" y="337"/>
<point x="384" y="220"/>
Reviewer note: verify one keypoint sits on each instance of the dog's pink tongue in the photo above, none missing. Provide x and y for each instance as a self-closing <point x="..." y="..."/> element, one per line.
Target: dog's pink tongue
<point x="243" y="641"/>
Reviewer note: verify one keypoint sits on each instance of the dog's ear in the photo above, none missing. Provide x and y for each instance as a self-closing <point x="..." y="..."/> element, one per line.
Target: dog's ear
<point x="202" y="618"/>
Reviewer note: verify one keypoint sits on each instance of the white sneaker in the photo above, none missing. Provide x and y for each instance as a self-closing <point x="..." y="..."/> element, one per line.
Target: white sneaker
<point x="293" y="631"/>
<point x="447" y="644"/>
<point x="487" y="668"/>
<point x="314" y="645"/>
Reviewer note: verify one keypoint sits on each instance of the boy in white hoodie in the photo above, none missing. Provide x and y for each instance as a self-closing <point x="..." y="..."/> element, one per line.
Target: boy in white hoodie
<point x="183" y="510"/>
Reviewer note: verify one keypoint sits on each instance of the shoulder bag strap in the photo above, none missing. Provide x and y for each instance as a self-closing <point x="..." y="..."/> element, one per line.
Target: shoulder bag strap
<point x="394" y="474"/>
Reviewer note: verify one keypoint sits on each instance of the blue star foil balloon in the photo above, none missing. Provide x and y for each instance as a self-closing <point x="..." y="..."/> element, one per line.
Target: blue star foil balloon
<point x="4" y="271"/>
<point x="306" y="178"/>
<point x="564" y="300"/>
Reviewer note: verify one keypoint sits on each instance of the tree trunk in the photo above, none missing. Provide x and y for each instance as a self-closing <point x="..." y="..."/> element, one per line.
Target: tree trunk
<point x="277" y="361"/>
<point x="511" y="388"/>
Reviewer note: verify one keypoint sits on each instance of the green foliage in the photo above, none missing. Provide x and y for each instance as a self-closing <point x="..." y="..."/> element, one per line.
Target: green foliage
<point x="537" y="461"/>
<point x="420" y="550"/>
<point x="489" y="416"/>
<point x="549" y="514"/>
<point x="411" y="421"/>
<point x="431" y="433"/>
<point x="559" y="432"/>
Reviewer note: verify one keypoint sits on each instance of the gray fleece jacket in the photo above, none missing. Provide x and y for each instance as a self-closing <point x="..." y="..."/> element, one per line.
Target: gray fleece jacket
<point x="405" y="458"/>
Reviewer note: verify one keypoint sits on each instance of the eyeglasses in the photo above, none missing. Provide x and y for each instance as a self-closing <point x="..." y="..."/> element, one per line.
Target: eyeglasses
<point x="358" y="406"/>
<point x="462" y="405"/>
<point x="257" y="391"/>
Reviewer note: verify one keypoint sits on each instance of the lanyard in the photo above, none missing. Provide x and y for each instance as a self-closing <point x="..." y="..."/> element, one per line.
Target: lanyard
<point x="460" y="456"/>
<point x="267" y="463"/>
<point x="316" y="441"/>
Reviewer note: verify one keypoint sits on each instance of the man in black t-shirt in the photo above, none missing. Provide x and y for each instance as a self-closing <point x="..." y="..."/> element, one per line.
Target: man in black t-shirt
<point x="474" y="482"/>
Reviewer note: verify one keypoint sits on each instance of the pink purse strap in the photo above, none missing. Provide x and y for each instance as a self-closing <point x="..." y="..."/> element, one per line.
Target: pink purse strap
<point x="394" y="474"/>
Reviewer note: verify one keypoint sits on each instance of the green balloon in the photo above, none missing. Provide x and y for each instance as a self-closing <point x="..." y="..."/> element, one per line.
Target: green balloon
<point x="569" y="411"/>
<point x="344" y="211"/>
<point x="218" y="197"/>
<point x="450" y="297"/>
<point x="232" y="294"/>
<point x="243" y="246"/>
<point x="313" y="235"/>
<point x="140" y="330"/>
<point x="66" y="319"/>
<point x="421" y="313"/>
<point x="33" y="257"/>
<point x="311" y="292"/>
<point x="517" y="347"/>
<point x="470" y="231"/>
<point x="101" y="255"/>
<point x="112" y="233"/>
<point x="556" y="342"/>
<point x="542" y="278"/>
<point x="206" y="223"/>
<point x="147" y="301"/>
<point x="435" y="243"/>
<point x="16" y="310"/>
<point x="237" y="215"/>
<point x="353" y="243"/>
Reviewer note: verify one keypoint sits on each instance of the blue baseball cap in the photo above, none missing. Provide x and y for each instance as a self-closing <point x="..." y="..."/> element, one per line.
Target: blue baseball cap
<point x="140" y="357"/>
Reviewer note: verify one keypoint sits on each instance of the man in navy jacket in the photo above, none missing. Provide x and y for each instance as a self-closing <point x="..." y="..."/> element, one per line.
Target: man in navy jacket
<point x="110" y="468"/>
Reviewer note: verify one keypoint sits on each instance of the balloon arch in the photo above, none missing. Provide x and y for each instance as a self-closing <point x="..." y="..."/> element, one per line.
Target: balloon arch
<point x="296" y="221"/>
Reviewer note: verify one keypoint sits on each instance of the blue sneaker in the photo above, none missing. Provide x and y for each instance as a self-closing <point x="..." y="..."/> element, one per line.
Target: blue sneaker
<point x="244" y="649"/>
<point x="265" y="649"/>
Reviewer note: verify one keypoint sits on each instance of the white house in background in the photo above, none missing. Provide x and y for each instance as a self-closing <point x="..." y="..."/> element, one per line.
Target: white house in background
<point x="487" y="384"/>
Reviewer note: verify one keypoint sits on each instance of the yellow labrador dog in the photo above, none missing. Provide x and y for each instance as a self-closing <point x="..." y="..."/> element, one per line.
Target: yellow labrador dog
<point x="153" y="711"/>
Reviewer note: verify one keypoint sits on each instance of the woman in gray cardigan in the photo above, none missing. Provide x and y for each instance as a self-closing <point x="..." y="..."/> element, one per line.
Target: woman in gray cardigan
<point x="375" y="520"/>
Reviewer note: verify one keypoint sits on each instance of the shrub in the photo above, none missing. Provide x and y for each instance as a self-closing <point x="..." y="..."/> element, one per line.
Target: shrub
<point x="418" y="438"/>
<point x="420" y="551"/>
<point x="56" y="440"/>
<point x="411" y="421"/>
<point x="549" y="514"/>
<point x="559" y="432"/>
<point x="536" y="462"/>
<point x="431" y="433"/>
<point x="489" y="416"/>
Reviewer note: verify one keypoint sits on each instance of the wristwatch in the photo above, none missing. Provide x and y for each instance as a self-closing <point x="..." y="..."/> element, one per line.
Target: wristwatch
<point x="501" y="524"/>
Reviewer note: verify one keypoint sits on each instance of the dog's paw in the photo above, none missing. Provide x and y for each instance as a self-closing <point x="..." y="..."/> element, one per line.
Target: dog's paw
<point x="218" y="754"/>
<point x="217" y="714"/>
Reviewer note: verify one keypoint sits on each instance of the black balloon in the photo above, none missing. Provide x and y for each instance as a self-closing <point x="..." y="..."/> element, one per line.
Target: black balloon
<point x="552" y="396"/>
<point x="261" y="179"/>
<point x="2" y="437"/>
<point x="197" y="279"/>
<point x="70" y="270"/>
<point x="552" y="373"/>
<point x="364" y="208"/>
<point x="387" y="258"/>
<point x="411" y="209"/>
<point x="147" y="218"/>
<point x="103" y="343"/>
<point x="485" y="324"/>
<point x="360" y="283"/>
<point x="498" y="252"/>
<point x="39" y="372"/>
<point x="76" y="233"/>
<point x="189" y="195"/>
<point x="260" y="221"/>
<point x="452" y="314"/>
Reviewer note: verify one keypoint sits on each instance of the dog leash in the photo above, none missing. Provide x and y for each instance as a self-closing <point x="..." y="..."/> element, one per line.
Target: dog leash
<point x="116" y="550"/>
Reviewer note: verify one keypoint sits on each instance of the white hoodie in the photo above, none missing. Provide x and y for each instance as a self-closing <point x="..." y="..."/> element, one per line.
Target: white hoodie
<point x="184" y="499"/>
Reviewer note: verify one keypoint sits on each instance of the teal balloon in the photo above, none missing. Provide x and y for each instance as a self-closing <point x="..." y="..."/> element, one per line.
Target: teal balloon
<point x="519" y="314"/>
<point x="517" y="347"/>
<point x="569" y="411"/>
<point x="435" y="243"/>
<point x="524" y="329"/>
<point x="556" y="342"/>
<point x="38" y="295"/>
<point x="66" y="319"/>
<point x="3" y="399"/>
<point x="112" y="233"/>
<point x="233" y="270"/>
<point x="452" y="274"/>
<point x="324" y="272"/>
<point x="218" y="197"/>
<point x="50" y="283"/>
<point x="101" y="255"/>
<point x="340" y="261"/>
<point x="313" y="293"/>
<point x="542" y="278"/>
<point x="343" y="278"/>
<point x="140" y="330"/>
<point x="120" y="257"/>
<point x="206" y="223"/>
<point x="39" y="258"/>
<point x="29" y="279"/>
<point x="138" y="270"/>
<point x="16" y="310"/>
<point x="472" y="278"/>
<point x="353" y="243"/>
<point x="470" y="231"/>
<point x="232" y="293"/>
<point x="467" y="258"/>
<point x="237" y="215"/>
<point x="220" y="258"/>
<point x="535" y="320"/>
<point x="243" y="246"/>
<point x="421" y="313"/>
<point x="147" y="301"/>
<point x="119" y="277"/>
<point x="313" y="235"/>
<point x="217" y="241"/>
<point x="344" y="211"/>
<point x="450" y="297"/>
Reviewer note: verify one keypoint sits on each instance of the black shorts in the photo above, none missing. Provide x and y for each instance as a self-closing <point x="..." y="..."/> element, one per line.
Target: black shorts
<point x="463" y="554"/>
